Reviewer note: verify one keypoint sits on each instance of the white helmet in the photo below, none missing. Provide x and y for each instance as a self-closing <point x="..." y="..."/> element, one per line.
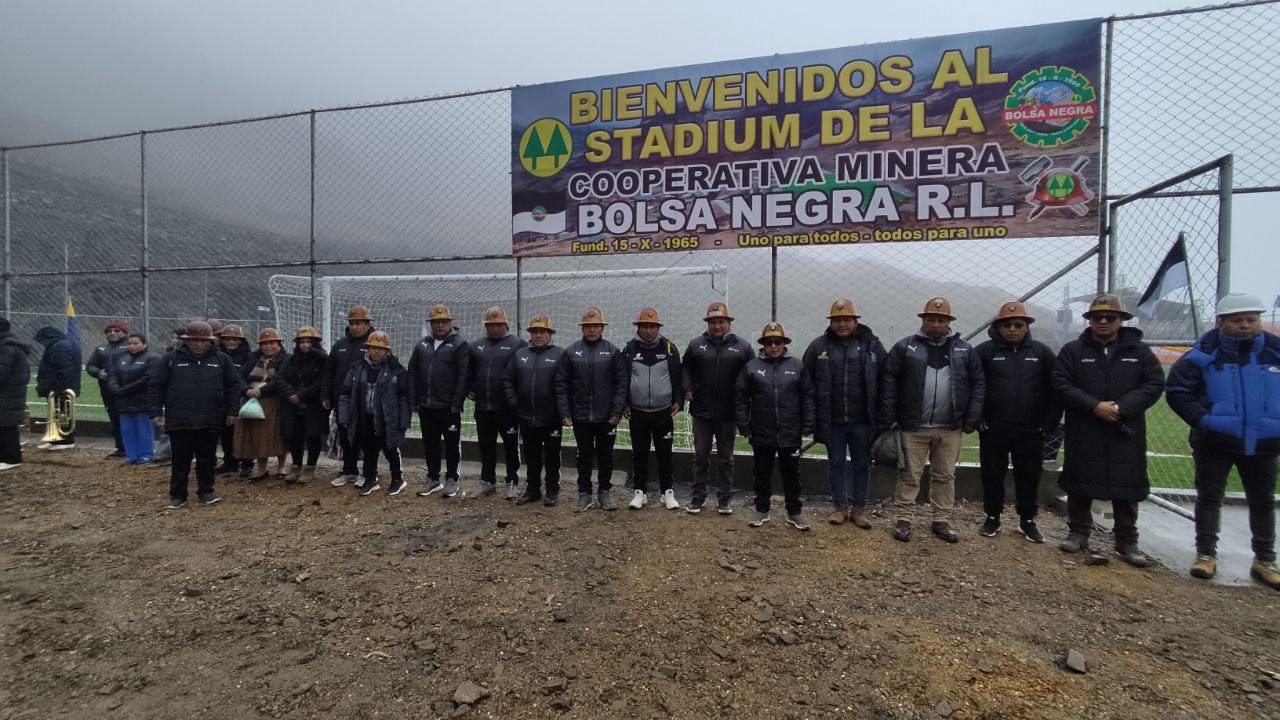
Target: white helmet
<point x="1239" y="303"/>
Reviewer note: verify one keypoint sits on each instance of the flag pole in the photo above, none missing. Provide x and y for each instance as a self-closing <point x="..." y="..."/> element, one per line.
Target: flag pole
<point x="1191" y="295"/>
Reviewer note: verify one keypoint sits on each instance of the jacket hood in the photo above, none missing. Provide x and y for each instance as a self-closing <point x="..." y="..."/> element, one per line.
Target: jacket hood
<point x="1126" y="337"/>
<point x="49" y="335"/>
<point x="862" y="333"/>
<point x="349" y="336"/>
<point x="1212" y="340"/>
<point x="390" y="362"/>
<point x="8" y="338"/>
<point x="728" y="338"/>
<point x="994" y="333"/>
<point x="182" y="351"/>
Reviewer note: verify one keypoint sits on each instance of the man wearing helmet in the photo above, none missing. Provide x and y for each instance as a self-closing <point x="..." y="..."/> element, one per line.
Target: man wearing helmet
<point x="490" y="357"/>
<point x="374" y="410"/>
<point x="347" y="351"/>
<point x="530" y="387"/>
<point x="655" y="394"/>
<point x="438" y="371"/>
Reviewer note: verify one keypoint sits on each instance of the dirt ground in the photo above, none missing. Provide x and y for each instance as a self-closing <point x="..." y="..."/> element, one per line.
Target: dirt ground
<point x="307" y="602"/>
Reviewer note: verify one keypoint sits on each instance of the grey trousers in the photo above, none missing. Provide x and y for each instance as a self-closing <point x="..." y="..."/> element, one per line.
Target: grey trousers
<point x="723" y="433"/>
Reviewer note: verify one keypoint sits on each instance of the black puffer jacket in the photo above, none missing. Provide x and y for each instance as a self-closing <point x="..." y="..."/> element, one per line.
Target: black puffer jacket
<point x="391" y="390"/>
<point x="489" y="362"/>
<point x="773" y="402"/>
<point x="902" y="391"/>
<point x="303" y="376"/>
<point x="1107" y="461"/>
<point x="15" y="375"/>
<point x="60" y="365"/>
<point x="591" y="382"/>
<point x="1020" y="397"/>
<point x="102" y="361"/>
<point x="194" y="393"/>
<point x="530" y="385"/>
<point x="438" y="375"/>
<point x="711" y="369"/>
<point x="347" y="351"/>
<point x="844" y="370"/>
<point x="238" y="358"/>
<point x="128" y="380"/>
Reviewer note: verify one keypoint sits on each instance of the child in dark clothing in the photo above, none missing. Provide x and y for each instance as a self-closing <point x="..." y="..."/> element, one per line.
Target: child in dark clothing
<point x="374" y="408"/>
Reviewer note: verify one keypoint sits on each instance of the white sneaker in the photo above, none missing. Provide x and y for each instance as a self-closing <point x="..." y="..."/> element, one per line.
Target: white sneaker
<point x="8" y="466"/>
<point x="67" y="446"/>
<point x="669" y="500"/>
<point x="341" y="480"/>
<point x="638" y="500"/>
<point x="44" y="446"/>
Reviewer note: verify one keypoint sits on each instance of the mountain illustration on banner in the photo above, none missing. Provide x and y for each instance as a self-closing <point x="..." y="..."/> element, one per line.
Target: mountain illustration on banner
<point x="538" y="212"/>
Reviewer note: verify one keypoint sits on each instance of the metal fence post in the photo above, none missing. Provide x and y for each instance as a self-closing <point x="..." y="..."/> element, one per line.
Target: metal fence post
<point x="1111" y="249"/>
<point x="146" y="240"/>
<point x="773" y="283"/>
<point x="519" y="293"/>
<point x="1105" y="128"/>
<point x="311" y="267"/>
<point x="1225" y="185"/>
<point x="4" y="172"/>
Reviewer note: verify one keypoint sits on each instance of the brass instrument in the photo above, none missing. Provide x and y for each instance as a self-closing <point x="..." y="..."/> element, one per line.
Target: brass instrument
<point x="62" y="416"/>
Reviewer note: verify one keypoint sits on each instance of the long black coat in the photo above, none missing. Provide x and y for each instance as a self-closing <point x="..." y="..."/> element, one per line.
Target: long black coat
<point x="15" y="375"/>
<point x="1107" y="461"/>
<point x="303" y="375"/>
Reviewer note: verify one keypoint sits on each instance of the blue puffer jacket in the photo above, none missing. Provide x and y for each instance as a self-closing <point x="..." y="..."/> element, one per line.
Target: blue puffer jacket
<point x="60" y="365"/>
<point x="1228" y="391"/>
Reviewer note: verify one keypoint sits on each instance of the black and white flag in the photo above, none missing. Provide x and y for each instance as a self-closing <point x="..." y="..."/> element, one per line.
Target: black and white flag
<point x="1173" y="274"/>
<point x="538" y="212"/>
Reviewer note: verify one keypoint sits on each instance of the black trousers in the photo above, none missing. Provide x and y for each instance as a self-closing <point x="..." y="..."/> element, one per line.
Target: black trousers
<point x="541" y="455"/>
<point x="788" y="465"/>
<point x="722" y="432"/>
<point x="185" y="445"/>
<point x="595" y="450"/>
<point x="113" y="414"/>
<point x="441" y="426"/>
<point x="1258" y="473"/>
<point x="489" y="425"/>
<point x="657" y="428"/>
<point x="1124" y="513"/>
<point x="298" y="439"/>
<point x="227" y="436"/>
<point x="10" y="444"/>
<point x="996" y="451"/>
<point x="350" y="455"/>
<point x="370" y="446"/>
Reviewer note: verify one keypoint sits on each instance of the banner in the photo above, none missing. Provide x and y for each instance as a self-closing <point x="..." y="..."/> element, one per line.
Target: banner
<point x="983" y="135"/>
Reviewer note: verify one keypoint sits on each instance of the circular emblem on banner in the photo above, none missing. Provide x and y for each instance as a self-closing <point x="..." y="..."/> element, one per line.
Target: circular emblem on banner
<point x="545" y="147"/>
<point x="1050" y="106"/>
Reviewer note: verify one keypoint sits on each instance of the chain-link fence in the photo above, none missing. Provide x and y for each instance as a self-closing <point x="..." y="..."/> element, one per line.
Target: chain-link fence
<point x="164" y="226"/>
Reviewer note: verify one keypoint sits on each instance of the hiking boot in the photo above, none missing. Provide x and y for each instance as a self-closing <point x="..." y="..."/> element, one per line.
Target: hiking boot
<point x="209" y="499"/>
<point x="175" y="504"/>
<point x="695" y="505"/>
<point x="1266" y="573"/>
<point x="292" y="476"/>
<point x="1205" y="567"/>
<point x="553" y="497"/>
<point x="307" y="475"/>
<point x="1030" y="531"/>
<point x="513" y="491"/>
<point x="585" y="501"/>
<point x="796" y="520"/>
<point x="432" y="486"/>
<point x="451" y="487"/>
<point x="369" y="487"/>
<point x="669" y="500"/>
<point x="530" y="495"/>
<point x="486" y="489"/>
<point x="259" y="471"/>
<point x="638" y="500"/>
<point x="723" y="507"/>
<point x="902" y="530"/>
<point x="1130" y="553"/>
<point x="1074" y="543"/>
<point x="396" y="486"/>
<point x="606" y="500"/>
<point x="839" y="516"/>
<point x="758" y="518"/>
<point x="859" y="517"/>
<point x="990" y="527"/>
<point x="943" y="531"/>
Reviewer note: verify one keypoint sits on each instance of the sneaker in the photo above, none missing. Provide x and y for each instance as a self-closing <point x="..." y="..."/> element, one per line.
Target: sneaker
<point x="723" y="507"/>
<point x="487" y="488"/>
<point x="586" y="501"/>
<point x="638" y="500"/>
<point x="210" y="499"/>
<point x="44" y="446"/>
<point x="902" y="531"/>
<point x="432" y="486"/>
<point x="606" y="501"/>
<point x="369" y="487"/>
<point x="1266" y="573"/>
<point x="8" y="466"/>
<point x="1030" y="531"/>
<point x="451" y="487"/>
<point x="359" y="483"/>
<point x="669" y="500"/>
<point x="796" y="520"/>
<point x="758" y="518"/>
<point x="1205" y="567"/>
<point x="65" y="446"/>
<point x="530" y="495"/>
<point x="990" y="527"/>
<point x="396" y="485"/>
<point x="175" y="503"/>
<point x="944" y="531"/>
<point x="116" y="453"/>
<point x="1132" y="555"/>
<point x="165" y="462"/>
<point x="695" y="505"/>
<point x="859" y="517"/>
<point x="553" y="497"/>
<point x="839" y="516"/>
<point x="513" y="491"/>
<point x="1074" y="543"/>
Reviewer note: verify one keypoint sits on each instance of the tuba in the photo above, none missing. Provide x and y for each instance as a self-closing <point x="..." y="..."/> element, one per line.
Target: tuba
<point x="62" y="416"/>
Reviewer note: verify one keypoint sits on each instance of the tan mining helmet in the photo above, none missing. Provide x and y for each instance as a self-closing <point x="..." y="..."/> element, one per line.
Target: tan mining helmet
<point x="268" y="335"/>
<point x="1012" y="310"/>
<point x="439" y="312"/>
<point x="718" y="310"/>
<point x="541" y="322"/>
<point x="593" y="316"/>
<point x="774" y="330"/>
<point x="359" y="312"/>
<point x="648" y="316"/>
<point x="495" y="316"/>
<point x="843" y="308"/>
<point x="937" y="306"/>
<point x="306" y="332"/>
<point x="377" y="338"/>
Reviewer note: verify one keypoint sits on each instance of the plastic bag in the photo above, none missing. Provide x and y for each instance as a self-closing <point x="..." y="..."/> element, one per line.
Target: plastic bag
<point x="252" y="410"/>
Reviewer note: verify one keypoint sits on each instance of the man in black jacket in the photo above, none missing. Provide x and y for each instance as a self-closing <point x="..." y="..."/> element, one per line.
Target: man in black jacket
<point x="59" y="372"/>
<point x="490" y="357"/>
<point x="15" y="374"/>
<point x="591" y="393"/>
<point x="655" y="394"/>
<point x="933" y="390"/>
<point x="1106" y="380"/>
<point x="99" y="366"/>
<point x="438" y="369"/>
<point x="1020" y="408"/>
<point x="530" y="387"/>
<point x="711" y="366"/>
<point x="193" y="394"/>
<point x="844" y="364"/>
<point x="347" y="351"/>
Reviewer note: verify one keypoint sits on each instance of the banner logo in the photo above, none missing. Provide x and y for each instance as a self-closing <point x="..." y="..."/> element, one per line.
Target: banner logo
<point x="545" y="147"/>
<point x="1050" y="106"/>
